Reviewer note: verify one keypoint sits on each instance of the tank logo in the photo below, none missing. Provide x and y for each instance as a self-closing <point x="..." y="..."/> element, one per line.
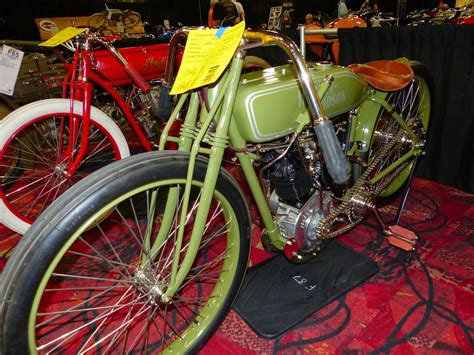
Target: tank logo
<point x="334" y="99"/>
<point x="151" y="62"/>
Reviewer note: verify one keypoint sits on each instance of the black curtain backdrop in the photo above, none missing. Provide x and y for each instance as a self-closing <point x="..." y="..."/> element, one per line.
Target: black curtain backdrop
<point x="19" y="14"/>
<point x="448" y="52"/>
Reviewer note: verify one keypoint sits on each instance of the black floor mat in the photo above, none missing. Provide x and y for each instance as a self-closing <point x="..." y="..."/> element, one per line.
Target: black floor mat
<point x="277" y="295"/>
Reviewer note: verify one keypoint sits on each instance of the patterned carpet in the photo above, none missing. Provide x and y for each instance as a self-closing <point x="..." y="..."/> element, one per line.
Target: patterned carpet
<point x="419" y="302"/>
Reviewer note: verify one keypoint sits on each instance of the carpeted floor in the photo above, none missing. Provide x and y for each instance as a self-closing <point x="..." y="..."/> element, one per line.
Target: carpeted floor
<point x="419" y="302"/>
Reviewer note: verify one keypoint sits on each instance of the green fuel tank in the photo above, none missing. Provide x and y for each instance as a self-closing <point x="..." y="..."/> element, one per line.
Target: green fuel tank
<point x="270" y="103"/>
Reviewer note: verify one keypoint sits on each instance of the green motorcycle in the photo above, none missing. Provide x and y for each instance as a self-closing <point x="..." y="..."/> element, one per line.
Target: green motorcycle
<point x="148" y="253"/>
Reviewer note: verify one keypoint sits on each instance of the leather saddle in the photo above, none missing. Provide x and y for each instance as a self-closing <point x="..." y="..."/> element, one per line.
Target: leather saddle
<point x="385" y="75"/>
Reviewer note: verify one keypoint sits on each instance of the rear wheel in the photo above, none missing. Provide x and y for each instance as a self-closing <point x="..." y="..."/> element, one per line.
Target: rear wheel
<point x="388" y="143"/>
<point x="97" y="21"/>
<point x="89" y="275"/>
<point x="32" y="165"/>
<point x="413" y="104"/>
<point x="130" y="19"/>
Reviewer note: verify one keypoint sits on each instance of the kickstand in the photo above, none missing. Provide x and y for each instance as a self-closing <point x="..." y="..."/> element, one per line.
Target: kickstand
<point x="401" y="207"/>
<point x="396" y="235"/>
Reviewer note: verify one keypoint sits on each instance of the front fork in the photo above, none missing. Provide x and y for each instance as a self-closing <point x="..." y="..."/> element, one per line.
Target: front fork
<point x="80" y="91"/>
<point x="72" y="155"/>
<point x="218" y="141"/>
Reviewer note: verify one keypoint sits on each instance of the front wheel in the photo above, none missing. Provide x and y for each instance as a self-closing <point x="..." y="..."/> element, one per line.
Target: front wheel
<point x="33" y="165"/>
<point x="89" y="275"/>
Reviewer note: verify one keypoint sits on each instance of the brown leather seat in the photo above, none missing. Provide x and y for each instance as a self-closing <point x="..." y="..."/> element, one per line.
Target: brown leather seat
<point x="385" y="75"/>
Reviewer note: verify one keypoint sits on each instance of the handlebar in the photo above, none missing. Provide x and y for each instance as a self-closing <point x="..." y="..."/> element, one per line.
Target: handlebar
<point x="266" y="37"/>
<point x="330" y="146"/>
<point x="129" y="69"/>
<point x="262" y="37"/>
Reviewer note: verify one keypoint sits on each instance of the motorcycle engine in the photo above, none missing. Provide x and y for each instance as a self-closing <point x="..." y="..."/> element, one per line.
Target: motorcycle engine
<point x="297" y="200"/>
<point x="147" y="111"/>
<point x="288" y="177"/>
<point x="144" y="107"/>
<point x="152" y="98"/>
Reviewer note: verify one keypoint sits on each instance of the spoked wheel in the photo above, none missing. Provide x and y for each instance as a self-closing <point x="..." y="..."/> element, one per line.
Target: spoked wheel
<point x="33" y="166"/>
<point x="389" y="143"/>
<point x="98" y="266"/>
<point x="10" y="169"/>
<point x="413" y="104"/>
<point x="97" y="21"/>
<point x="130" y="18"/>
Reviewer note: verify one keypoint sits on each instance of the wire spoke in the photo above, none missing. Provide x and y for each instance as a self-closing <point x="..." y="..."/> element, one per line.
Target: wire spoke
<point x="101" y="256"/>
<point x="124" y="324"/>
<point x="39" y="325"/>
<point x="43" y="194"/>
<point x="90" y="278"/>
<point x="68" y="335"/>
<point x="18" y="190"/>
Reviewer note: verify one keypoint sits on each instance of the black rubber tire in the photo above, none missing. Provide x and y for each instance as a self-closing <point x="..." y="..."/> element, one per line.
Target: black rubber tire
<point x="21" y="277"/>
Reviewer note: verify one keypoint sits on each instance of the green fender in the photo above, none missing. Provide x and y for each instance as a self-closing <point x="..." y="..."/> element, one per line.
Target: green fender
<point x="363" y="125"/>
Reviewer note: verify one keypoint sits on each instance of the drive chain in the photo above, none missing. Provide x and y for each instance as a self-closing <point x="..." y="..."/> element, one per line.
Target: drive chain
<point x="323" y="229"/>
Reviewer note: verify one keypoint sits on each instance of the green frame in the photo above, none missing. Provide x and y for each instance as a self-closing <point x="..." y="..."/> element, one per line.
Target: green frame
<point x="195" y="139"/>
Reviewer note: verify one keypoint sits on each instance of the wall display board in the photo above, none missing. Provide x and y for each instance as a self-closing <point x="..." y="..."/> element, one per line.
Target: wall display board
<point x="48" y="27"/>
<point x="274" y="18"/>
<point x="461" y="3"/>
<point x="288" y="15"/>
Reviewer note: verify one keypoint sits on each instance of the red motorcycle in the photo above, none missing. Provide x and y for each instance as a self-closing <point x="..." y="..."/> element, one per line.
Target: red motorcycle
<point x="110" y="106"/>
<point x="437" y="16"/>
<point x="465" y="16"/>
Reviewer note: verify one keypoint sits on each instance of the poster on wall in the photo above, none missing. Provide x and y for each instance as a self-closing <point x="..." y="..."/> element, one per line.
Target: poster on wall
<point x="274" y="18"/>
<point x="288" y="15"/>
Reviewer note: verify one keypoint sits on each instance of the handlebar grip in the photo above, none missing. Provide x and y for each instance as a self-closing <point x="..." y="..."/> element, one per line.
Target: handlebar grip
<point x="137" y="78"/>
<point x="334" y="157"/>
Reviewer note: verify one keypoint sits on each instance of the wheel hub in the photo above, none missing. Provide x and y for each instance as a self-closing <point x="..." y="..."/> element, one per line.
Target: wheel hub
<point x="148" y="283"/>
<point x="60" y="170"/>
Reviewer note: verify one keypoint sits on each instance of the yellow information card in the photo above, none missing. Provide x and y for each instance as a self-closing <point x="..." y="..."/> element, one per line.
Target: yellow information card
<point x="62" y="36"/>
<point x="206" y="55"/>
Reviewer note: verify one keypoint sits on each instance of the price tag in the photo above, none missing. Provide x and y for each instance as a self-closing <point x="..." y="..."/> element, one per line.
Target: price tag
<point x="62" y="36"/>
<point x="10" y="62"/>
<point x="206" y="56"/>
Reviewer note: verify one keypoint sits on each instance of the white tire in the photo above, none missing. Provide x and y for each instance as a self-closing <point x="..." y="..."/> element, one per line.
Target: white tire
<point x="13" y="123"/>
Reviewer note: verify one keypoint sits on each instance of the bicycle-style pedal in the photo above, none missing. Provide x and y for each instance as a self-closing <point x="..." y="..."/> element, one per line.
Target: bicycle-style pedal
<point x="400" y="237"/>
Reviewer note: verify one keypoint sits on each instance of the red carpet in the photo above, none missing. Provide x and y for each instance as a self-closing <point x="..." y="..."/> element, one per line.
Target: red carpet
<point x="418" y="303"/>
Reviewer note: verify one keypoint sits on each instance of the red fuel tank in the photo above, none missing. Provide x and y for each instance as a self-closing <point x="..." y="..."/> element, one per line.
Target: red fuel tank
<point x="149" y="61"/>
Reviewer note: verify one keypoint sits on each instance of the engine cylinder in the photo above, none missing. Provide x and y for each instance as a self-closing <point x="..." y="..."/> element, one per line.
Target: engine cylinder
<point x="288" y="177"/>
